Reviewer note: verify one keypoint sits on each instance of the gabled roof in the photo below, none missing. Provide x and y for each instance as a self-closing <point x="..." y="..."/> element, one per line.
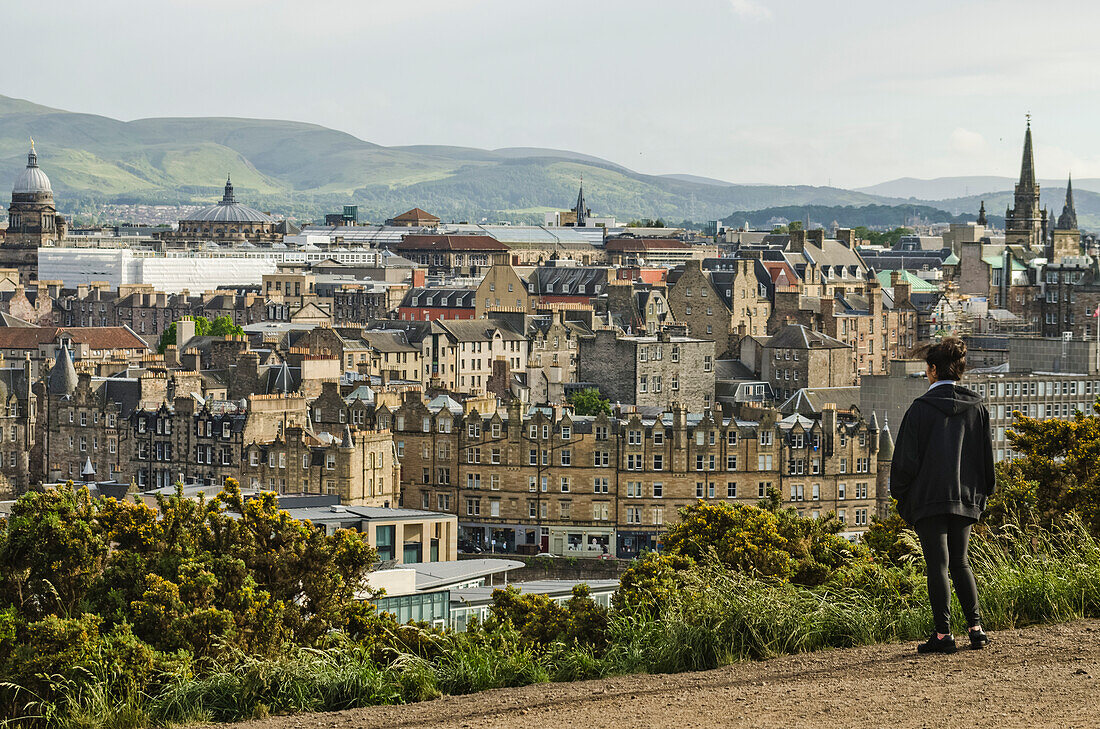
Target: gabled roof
<point x="797" y="336"/>
<point x="473" y="330"/>
<point x="808" y="401"/>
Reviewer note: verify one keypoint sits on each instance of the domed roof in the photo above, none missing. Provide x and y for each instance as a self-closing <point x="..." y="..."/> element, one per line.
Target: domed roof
<point x="228" y="210"/>
<point x="32" y="180"/>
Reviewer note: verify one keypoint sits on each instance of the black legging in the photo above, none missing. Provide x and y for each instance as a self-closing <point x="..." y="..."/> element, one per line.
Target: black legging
<point x="945" y="540"/>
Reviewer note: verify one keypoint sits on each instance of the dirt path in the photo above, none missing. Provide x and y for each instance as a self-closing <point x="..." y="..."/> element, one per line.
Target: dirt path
<point x="1036" y="677"/>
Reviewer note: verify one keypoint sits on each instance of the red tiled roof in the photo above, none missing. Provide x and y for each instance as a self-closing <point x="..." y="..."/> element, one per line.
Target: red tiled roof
<point x="450" y="243"/>
<point x="415" y="215"/>
<point x="94" y="337"/>
<point x="641" y="245"/>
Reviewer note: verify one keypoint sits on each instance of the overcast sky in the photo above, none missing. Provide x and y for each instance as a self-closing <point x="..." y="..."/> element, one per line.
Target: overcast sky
<point x="847" y="93"/>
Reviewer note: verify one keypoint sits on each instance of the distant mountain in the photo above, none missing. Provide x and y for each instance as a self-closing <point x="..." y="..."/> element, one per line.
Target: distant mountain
<point x="304" y="170"/>
<point x="946" y="188"/>
<point x="294" y="168"/>
<point x="872" y="216"/>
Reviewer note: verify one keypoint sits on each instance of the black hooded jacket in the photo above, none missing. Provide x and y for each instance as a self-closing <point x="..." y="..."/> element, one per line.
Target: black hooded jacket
<point x="943" y="458"/>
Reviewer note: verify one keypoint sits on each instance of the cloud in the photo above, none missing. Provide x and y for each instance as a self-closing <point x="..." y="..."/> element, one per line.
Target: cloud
<point x="750" y="9"/>
<point x="965" y="141"/>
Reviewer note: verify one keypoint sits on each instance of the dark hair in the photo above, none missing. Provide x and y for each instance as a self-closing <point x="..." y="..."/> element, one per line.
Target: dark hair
<point x="948" y="356"/>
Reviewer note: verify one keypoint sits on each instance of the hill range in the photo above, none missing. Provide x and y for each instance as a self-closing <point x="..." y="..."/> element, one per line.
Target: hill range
<point x="304" y="170"/>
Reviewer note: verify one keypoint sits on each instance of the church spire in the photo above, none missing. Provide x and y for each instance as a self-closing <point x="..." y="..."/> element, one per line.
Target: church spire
<point x="581" y="209"/>
<point x="1068" y="219"/>
<point x="1027" y="166"/>
<point x="981" y="215"/>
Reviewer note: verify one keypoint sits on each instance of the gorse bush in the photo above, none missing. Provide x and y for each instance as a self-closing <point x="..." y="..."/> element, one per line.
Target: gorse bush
<point x="114" y="616"/>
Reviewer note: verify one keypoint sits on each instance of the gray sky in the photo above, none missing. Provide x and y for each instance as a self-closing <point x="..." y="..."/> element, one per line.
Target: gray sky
<point x="778" y="91"/>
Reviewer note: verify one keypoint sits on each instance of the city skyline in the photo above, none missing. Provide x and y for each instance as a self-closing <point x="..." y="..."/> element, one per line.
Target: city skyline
<point x="740" y="90"/>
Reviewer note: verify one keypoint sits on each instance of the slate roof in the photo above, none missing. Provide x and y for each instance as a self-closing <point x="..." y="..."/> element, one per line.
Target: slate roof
<point x="797" y="336"/>
<point x="447" y="298"/>
<point x="569" y="280"/>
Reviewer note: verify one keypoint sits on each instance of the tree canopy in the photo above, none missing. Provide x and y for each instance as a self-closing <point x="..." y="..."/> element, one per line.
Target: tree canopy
<point x="220" y="327"/>
<point x="589" y="402"/>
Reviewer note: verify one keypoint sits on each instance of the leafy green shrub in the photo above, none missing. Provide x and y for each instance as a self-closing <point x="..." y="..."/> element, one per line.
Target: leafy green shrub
<point x="541" y="621"/>
<point x="647" y="586"/>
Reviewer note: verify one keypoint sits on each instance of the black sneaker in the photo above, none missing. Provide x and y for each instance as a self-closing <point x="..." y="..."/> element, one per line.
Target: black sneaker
<point x="978" y="639"/>
<point x="938" y="645"/>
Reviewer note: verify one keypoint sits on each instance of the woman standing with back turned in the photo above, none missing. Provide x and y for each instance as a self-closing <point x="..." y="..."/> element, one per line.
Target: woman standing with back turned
<point x="942" y="475"/>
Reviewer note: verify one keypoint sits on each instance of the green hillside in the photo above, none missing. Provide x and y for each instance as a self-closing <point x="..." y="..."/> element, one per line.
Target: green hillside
<point x="305" y="170"/>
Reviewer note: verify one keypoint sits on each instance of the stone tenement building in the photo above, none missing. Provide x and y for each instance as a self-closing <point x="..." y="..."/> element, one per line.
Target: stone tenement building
<point x="796" y="357"/>
<point x="123" y="429"/>
<point x="650" y="371"/>
<point x="579" y="485"/>
<point x="723" y="305"/>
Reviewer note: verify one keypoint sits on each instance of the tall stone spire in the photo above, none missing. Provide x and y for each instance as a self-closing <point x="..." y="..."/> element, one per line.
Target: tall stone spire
<point x="1024" y="224"/>
<point x="981" y="215"/>
<point x="1027" y="166"/>
<point x="1068" y="219"/>
<point x="581" y="209"/>
<point x="228" y="197"/>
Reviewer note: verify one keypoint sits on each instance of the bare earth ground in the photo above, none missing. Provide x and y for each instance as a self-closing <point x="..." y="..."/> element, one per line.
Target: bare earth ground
<point x="1035" y="677"/>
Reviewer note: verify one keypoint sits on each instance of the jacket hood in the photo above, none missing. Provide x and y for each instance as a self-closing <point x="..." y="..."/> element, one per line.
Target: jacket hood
<point x="951" y="399"/>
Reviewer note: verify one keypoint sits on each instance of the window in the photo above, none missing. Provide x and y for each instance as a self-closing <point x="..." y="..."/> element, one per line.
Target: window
<point x="658" y="462"/>
<point x="815" y="492"/>
<point x="565" y="484"/>
<point x="495" y="456"/>
<point x="731" y="489"/>
<point x="762" y="489"/>
<point x="764" y="463"/>
<point x="708" y="363"/>
<point x="840" y="491"/>
<point x="599" y="485"/>
<point x="566" y="457"/>
<point x="601" y="432"/>
<point x="700" y="489"/>
<point x="473" y="480"/>
<point x="658" y="437"/>
<point x="633" y="515"/>
<point x="494" y="482"/>
<point x="600" y="458"/>
<point x="765" y="437"/>
<point x="473" y="507"/>
<point x="844" y="465"/>
<point x="384" y="537"/>
<point x="634" y="437"/>
<point x="658" y="489"/>
<point x="600" y="512"/>
<point x="731" y="462"/>
<point x="566" y="432"/>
